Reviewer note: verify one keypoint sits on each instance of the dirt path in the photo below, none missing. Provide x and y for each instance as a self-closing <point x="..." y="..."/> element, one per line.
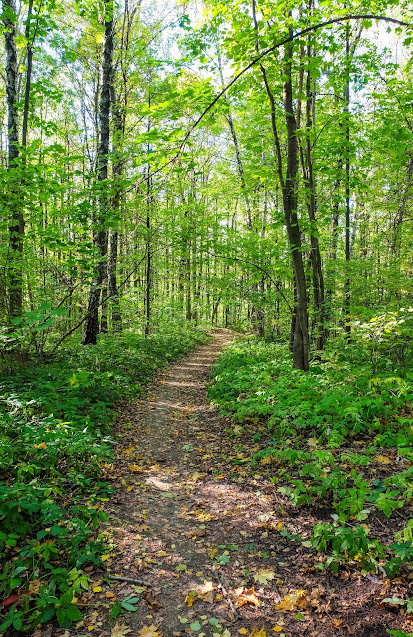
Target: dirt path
<point x="206" y="533"/>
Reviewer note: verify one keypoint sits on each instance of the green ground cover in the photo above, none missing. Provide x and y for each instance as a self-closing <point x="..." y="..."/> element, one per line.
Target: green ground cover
<point x="55" y="442"/>
<point x="338" y="438"/>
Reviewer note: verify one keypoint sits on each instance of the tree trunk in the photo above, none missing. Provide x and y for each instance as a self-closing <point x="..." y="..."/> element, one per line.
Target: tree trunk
<point x="300" y="344"/>
<point x="301" y="349"/>
<point x="346" y="307"/>
<point x="16" y="227"/>
<point x="91" y="326"/>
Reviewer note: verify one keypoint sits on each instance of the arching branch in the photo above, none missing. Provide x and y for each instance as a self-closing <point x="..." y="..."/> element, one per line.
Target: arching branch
<point x="262" y="55"/>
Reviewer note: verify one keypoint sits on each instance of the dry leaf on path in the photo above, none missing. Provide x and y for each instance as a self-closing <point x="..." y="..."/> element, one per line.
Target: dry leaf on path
<point x="135" y="468"/>
<point x="206" y="592"/>
<point x="152" y="600"/>
<point x="256" y="632"/>
<point x="293" y="601"/>
<point x="119" y="630"/>
<point x="263" y="576"/>
<point x="246" y="596"/>
<point x="150" y="631"/>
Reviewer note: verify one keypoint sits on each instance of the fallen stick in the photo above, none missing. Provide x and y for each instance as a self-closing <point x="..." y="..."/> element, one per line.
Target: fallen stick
<point x="226" y="594"/>
<point x="131" y="580"/>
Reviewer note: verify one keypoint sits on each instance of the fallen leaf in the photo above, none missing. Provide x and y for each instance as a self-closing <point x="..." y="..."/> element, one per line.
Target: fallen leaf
<point x="134" y="468"/>
<point x="206" y="592"/>
<point x="150" y="631"/>
<point x="97" y="589"/>
<point x="243" y="631"/>
<point x="263" y="576"/>
<point x="119" y="630"/>
<point x="382" y="459"/>
<point x="258" y="633"/>
<point x="152" y="600"/>
<point x="246" y="596"/>
<point x="293" y="601"/>
<point x="195" y="626"/>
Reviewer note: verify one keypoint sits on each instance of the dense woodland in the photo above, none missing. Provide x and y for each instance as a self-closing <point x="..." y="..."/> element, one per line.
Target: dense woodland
<point x="170" y="168"/>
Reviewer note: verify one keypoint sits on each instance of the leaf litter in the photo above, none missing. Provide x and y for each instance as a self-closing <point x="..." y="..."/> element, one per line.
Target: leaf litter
<point x="214" y="551"/>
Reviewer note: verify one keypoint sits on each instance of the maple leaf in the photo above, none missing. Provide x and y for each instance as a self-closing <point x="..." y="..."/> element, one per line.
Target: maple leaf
<point x="256" y="632"/>
<point x="119" y="630"/>
<point x="246" y="596"/>
<point x="150" y="631"/>
<point x="293" y="601"/>
<point x="263" y="576"/>
<point x="206" y="592"/>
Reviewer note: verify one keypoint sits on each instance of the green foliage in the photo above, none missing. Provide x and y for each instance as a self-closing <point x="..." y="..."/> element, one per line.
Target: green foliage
<point x="54" y="441"/>
<point x="328" y="432"/>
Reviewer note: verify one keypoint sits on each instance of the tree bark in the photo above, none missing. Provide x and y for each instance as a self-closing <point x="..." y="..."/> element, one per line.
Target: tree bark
<point x="91" y="326"/>
<point x="16" y="227"/>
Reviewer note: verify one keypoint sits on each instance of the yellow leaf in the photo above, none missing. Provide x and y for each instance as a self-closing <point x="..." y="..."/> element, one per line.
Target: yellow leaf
<point x="149" y="631"/>
<point x="258" y="633"/>
<point x="246" y="596"/>
<point x="243" y="631"/>
<point x="263" y="576"/>
<point x="42" y="445"/>
<point x="97" y="589"/>
<point x="277" y="629"/>
<point x="382" y="459"/>
<point x="135" y="468"/>
<point x="190" y="598"/>
<point x="206" y="592"/>
<point x="280" y="526"/>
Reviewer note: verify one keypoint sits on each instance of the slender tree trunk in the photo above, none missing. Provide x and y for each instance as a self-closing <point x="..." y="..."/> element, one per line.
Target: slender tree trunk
<point x="346" y="307"/>
<point x="91" y="326"/>
<point x="300" y="341"/>
<point x="315" y="254"/>
<point x="301" y="346"/>
<point x="16" y="227"/>
<point x="148" y="268"/>
<point x="118" y="131"/>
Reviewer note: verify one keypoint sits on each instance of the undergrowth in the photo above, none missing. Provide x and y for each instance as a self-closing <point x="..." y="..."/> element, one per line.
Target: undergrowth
<point x="338" y="438"/>
<point x="55" y="446"/>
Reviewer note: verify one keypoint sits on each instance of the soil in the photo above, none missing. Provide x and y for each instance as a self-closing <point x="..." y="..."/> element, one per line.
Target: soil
<point x="205" y="533"/>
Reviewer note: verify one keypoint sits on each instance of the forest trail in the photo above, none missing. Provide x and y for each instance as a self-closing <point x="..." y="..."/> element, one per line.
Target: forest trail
<point x="204" y="532"/>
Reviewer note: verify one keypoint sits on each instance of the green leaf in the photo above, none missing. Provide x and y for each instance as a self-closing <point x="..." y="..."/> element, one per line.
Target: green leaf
<point x="47" y="614"/>
<point x="195" y="626"/>
<point x="116" y="610"/>
<point x="73" y="613"/>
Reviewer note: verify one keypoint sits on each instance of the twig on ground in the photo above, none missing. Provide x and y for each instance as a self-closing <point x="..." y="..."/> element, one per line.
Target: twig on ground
<point x="131" y="580"/>
<point x="226" y="594"/>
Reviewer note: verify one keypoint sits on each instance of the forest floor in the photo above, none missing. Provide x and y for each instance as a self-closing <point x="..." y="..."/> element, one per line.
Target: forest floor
<point x="205" y="534"/>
